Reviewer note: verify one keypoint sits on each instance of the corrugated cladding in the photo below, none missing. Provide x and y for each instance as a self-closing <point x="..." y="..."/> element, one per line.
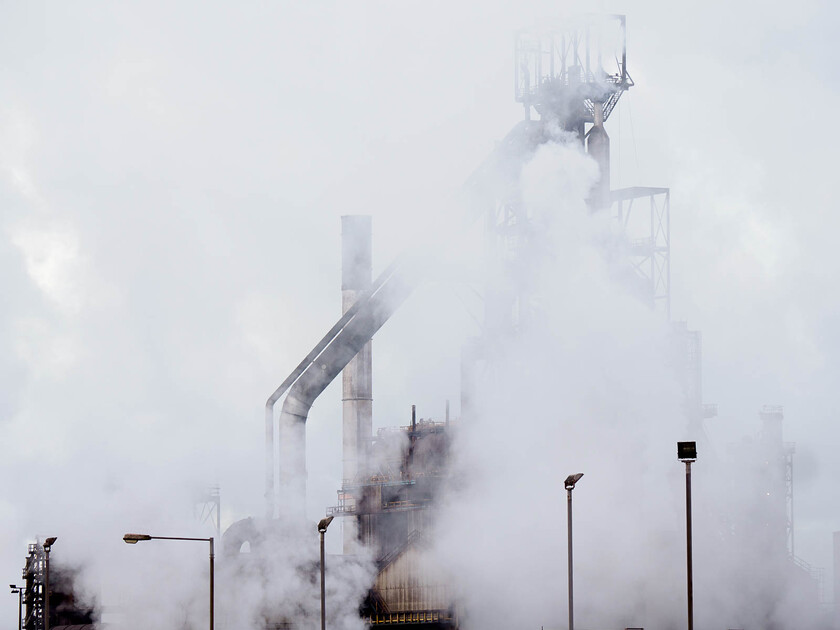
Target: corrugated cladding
<point x="412" y="582"/>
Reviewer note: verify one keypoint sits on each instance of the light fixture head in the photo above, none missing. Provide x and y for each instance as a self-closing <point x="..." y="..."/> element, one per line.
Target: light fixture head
<point x="324" y="523"/>
<point x="687" y="451"/>
<point x="49" y="542"/>
<point x="133" y="539"/>
<point x="571" y="480"/>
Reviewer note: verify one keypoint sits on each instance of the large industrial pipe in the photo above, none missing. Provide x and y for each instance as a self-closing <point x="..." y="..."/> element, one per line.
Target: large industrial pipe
<point x="598" y="147"/>
<point x="270" y="494"/>
<point x="376" y="308"/>
<point x="335" y="333"/>
<point x="370" y="311"/>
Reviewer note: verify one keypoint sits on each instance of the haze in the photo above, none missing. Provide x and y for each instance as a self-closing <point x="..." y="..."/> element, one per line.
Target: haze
<point x="172" y="178"/>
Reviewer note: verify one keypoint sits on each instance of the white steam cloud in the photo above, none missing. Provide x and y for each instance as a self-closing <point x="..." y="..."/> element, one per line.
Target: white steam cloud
<point x="586" y="388"/>
<point x="171" y="178"/>
<point x="592" y="385"/>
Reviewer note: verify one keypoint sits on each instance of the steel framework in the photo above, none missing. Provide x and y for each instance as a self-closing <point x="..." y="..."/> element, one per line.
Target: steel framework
<point x="209" y="509"/>
<point x="33" y="597"/>
<point x="790" y="449"/>
<point x="568" y="70"/>
<point x="647" y="230"/>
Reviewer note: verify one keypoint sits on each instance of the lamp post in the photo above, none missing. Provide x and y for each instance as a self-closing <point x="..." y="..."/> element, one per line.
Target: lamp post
<point x="687" y="453"/>
<point x="322" y="529"/>
<point x="19" y="591"/>
<point x="570" y="482"/>
<point x="48" y="543"/>
<point x="133" y="539"/>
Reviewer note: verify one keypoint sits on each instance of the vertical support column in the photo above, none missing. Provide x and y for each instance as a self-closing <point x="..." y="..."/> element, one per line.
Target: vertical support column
<point x="837" y="580"/>
<point x="790" y="449"/>
<point x="687" y="453"/>
<point x="569" y="553"/>
<point x="356" y="378"/>
<point x="270" y="493"/>
<point x="667" y="253"/>
<point x="212" y="583"/>
<point x="323" y="583"/>
<point x="291" y="432"/>
<point x="46" y="587"/>
<point x="689" y="565"/>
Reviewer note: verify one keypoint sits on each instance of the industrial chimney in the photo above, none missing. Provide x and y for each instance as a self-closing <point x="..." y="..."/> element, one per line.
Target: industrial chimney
<point x="357" y="390"/>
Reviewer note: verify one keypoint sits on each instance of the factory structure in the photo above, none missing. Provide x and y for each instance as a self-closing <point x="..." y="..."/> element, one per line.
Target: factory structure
<point x="568" y="78"/>
<point x="63" y="609"/>
<point x="571" y="78"/>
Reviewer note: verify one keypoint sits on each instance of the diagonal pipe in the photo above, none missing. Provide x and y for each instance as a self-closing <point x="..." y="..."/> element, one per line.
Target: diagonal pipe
<point x="362" y="320"/>
<point x="326" y="360"/>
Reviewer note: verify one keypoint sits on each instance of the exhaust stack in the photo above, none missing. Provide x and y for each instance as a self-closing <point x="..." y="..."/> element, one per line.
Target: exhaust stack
<point x="356" y="378"/>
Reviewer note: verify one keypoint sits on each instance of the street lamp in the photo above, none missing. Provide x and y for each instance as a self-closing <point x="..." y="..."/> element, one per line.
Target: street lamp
<point x="19" y="591"/>
<point x="570" y="482"/>
<point x="322" y="529"/>
<point x="133" y="539"/>
<point x="48" y="543"/>
<point x="687" y="453"/>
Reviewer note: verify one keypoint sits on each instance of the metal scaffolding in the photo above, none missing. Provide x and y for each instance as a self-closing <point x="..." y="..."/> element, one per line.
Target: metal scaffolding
<point x="33" y="597"/>
<point x="644" y="214"/>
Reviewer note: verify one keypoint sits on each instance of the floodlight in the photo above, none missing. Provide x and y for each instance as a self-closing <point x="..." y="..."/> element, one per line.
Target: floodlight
<point x="686" y="451"/>
<point x="571" y="480"/>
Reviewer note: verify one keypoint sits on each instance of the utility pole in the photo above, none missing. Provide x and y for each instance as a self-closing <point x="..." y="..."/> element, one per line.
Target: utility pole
<point x="687" y="453"/>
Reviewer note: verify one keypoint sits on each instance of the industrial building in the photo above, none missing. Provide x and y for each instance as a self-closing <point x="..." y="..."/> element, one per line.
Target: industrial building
<point x="65" y="611"/>
<point x="758" y="526"/>
<point x="566" y="76"/>
<point x="392" y="508"/>
<point x="569" y="78"/>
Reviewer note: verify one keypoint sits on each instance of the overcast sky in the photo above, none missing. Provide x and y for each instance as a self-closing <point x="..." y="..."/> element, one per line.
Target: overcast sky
<point x="171" y="181"/>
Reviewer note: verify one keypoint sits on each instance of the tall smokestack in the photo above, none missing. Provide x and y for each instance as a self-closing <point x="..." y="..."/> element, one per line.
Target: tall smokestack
<point x="598" y="146"/>
<point x="356" y="379"/>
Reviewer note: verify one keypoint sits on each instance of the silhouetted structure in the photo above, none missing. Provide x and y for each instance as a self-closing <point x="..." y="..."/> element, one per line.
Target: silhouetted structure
<point x="65" y="609"/>
<point x="392" y="507"/>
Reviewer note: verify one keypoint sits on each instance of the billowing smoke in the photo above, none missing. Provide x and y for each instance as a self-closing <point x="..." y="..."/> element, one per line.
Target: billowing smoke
<point x="172" y="178"/>
<point x="584" y="387"/>
<point x="591" y="384"/>
<point x="271" y="575"/>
